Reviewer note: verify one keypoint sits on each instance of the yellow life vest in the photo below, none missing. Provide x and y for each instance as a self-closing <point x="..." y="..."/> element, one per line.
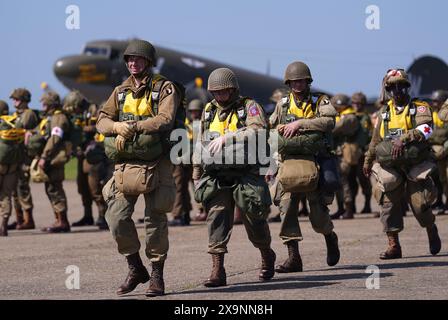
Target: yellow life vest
<point x="347" y="111"/>
<point x="305" y="111"/>
<point x="402" y="121"/>
<point x="141" y="107"/>
<point x="229" y="124"/>
<point x="11" y="133"/>
<point x="43" y="126"/>
<point x="436" y="120"/>
<point x="137" y="106"/>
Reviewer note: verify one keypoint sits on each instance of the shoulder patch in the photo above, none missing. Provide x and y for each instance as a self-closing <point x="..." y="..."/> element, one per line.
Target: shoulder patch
<point x="421" y="109"/>
<point x="253" y="110"/>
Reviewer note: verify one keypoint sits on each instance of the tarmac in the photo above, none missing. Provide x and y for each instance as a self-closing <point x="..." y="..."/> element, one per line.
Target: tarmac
<point x="42" y="266"/>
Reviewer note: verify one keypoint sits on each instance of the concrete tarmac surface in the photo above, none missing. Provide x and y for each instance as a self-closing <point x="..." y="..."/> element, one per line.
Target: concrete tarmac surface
<point x="35" y="265"/>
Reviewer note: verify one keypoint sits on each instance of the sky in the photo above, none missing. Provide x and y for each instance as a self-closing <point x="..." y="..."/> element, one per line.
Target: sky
<point x="330" y="36"/>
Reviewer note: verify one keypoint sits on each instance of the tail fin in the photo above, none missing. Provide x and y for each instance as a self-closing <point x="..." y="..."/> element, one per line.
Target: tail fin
<point x="428" y="74"/>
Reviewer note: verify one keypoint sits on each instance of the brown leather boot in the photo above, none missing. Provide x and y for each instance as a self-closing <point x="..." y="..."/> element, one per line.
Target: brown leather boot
<point x="267" y="270"/>
<point x="434" y="240"/>
<point x="349" y="211"/>
<point x="28" y="222"/>
<point x="333" y="253"/>
<point x="137" y="274"/>
<point x="54" y="225"/>
<point x="19" y="220"/>
<point x="218" y="277"/>
<point x="4" y="227"/>
<point x="156" y="284"/>
<point x="394" y="249"/>
<point x="62" y="224"/>
<point x="294" y="261"/>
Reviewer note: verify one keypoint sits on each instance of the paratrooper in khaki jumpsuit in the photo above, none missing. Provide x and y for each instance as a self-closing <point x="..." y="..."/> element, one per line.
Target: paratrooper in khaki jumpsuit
<point x="23" y="202"/>
<point x="138" y="111"/>
<point x="400" y="147"/>
<point x="345" y="133"/>
<point x="230" y="118"/>
<point x="90" y="176"/>
<point x="56" y="152"/>
<point x="439" y="145"/>
<point x="295" y="115"/>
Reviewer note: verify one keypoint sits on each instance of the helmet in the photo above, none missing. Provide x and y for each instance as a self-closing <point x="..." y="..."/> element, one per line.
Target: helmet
<point x="141" y="48"/>
<point x="4" y="108"/>
<point x="340" y="100"/>
<point x="74" y="100"/>
<point x="359" y="97"/>
<point x="278" y="94"/>
<point x="21" y="94"/>
<point x="36" y="173"/>
<point x="222" y="78"/>
<point x="195" y="105"/>
<point x="297" y="71"/>
<point x="439" y="95"/>
<point x="51" y="99"/>
<point x="395" y="76"/>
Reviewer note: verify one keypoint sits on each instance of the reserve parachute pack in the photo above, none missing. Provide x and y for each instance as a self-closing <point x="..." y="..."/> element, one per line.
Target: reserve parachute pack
<point x="413" y="153"/>
<point x="147" y="147"/>
<point x="306" y="143"/>
<point x="238" y="153"/>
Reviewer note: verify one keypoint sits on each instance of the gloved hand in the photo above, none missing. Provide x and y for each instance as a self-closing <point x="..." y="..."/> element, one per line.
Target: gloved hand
<point x="124" y="129"/>
<point x="119" y="143"/>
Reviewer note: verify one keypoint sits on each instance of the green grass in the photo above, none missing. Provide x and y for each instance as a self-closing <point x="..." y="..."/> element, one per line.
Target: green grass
<point x="70" y="169"/>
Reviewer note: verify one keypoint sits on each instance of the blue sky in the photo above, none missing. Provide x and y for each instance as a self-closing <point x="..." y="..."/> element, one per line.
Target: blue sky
<point x="330" y="36"/>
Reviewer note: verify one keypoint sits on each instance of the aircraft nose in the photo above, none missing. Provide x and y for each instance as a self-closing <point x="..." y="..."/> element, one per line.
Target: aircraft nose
<point x="66" y="68"/>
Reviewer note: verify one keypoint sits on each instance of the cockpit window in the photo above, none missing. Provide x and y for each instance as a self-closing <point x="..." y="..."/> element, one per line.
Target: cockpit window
<point x="97" y="51"/>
